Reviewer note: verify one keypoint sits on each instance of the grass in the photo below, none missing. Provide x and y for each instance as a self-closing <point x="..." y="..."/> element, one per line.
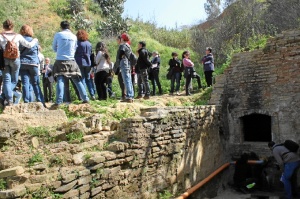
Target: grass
<point x="3" y="184"/>
<point x="149" y="103"/>
<point x="37" y="157"/>
<point x="165" y="195"/>
<point x="119" y="115"/>
<point x="75" y="136"/>
<point x="41" y="132"/>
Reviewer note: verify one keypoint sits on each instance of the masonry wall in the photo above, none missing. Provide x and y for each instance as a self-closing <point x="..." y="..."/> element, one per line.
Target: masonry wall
<point x="163" y="149"/>
<point x="267" y="82"/>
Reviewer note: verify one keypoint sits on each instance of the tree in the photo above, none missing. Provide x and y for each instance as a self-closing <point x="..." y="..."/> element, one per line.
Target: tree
<point x="212" y="8"/>
<point x="112" y="11"/>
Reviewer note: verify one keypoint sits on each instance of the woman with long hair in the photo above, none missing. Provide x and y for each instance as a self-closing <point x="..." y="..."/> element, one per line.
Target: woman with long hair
<point x="29" y="69"/>
<point x="102" y="70"/>
<point x="12" y="66"/>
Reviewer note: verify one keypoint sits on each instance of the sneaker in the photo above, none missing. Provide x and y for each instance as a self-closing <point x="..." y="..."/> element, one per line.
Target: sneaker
<point x="85" y="102"/>
<point x="55" y="106"/>
<point x="147" y="97"/>
<point x="171" y="93"/>
<point x="113" y="95"/>
<point x="93" y="98"/>
<point x="139" y="97"/>
<point x="127" y="100"/>
<point x="177" y="93"/>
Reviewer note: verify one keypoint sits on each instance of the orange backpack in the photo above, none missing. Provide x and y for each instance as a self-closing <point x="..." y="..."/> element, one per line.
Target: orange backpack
<point x="11" y="50"/>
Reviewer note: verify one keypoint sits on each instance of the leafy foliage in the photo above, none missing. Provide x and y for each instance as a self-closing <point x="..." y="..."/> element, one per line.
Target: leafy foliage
<point x="37" y="157"/>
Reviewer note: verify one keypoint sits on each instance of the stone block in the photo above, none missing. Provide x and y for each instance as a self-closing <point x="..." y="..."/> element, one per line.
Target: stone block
<point x="71" y="194"/>
<point x="13" y="193"/>
<point x="15" y="181"/>
<point x="84" y="188"/>
<point x="78" y="158"/>
<point x="66" y="187"/>
<point x="117" y="146"/>
<point x="69" y="178"/>
<point x="84" y="180"/>
<point x="11" y="172"/>
<point x="95" y="191"/>
<point x="86" y="195"/>
<point x="35" y="142"/>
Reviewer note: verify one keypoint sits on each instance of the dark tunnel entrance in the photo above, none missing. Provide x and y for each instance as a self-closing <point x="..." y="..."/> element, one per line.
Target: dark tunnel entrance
<point x="257" y="128"/>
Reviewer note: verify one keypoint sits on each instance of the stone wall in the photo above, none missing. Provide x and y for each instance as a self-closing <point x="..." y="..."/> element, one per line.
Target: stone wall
<point x="267" y="82"/>
<point x="163" y="149"/>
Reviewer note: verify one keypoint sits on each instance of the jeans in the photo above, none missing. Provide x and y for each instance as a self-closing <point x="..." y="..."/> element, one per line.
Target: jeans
<point x="289" y="169"/>
<point x="100" y="81"/>
<point x="155" y="81"/>
<point x="10" y="78"/>
<point x="30" y="76"/>
<point x="60" y="88"/>
<point x="176" y="77"/>
<point x="126" y="75"/>
<point x="67" y="94"/>
<point x="144" y="82"/>
<point x="86" y="78"/>
<point x="18" y="96"/>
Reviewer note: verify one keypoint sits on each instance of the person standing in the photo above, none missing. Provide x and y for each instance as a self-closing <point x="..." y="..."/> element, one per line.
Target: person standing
<point x="175" y="67"/>
<point x="65" y="44"/>
<point x="122" y="61"/>
<point x="208" y="66"/>
<point x="48" y="80"/>
<point x="188" y="70"/>
<point x="29" y="69"/>
<point x="288" y="162"/>
<point x="83" y="59"/>
<point x="155" y="73"/>
<point x="142" y="66"/>
<point x="102" y="70"/>
<point x="12" y="66"/>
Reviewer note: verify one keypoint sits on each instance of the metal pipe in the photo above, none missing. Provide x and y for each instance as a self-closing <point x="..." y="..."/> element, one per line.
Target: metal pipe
<point x="208" y="178"/>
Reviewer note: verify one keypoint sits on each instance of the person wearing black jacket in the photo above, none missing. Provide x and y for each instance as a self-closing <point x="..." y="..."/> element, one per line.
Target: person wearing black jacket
<point x="155" y="72"/>
<point x="208" y="66"/>
<point x="141" y="69"/>
<point x="176" y="70"/>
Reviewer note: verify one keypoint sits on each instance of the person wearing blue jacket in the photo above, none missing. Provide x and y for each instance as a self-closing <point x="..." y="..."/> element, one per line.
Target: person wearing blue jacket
<point x="83" y="59"/>
<point x="65" y="66"/>
<point x="208" y="66"/>
<point x="29" y="70"/>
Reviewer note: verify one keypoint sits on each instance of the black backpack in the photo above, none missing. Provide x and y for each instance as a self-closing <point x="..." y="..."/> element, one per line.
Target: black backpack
<point x="291" y="145"/>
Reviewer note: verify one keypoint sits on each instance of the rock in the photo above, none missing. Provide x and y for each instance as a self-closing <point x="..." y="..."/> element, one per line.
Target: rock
<point x="33" y="187"/>
<point x="15" y="181"/>
<point x="84" y="188"/>
<point x="59" y="136"/>
<point x="66" y="187"/>
<point x="13" y="193"/>
<point x="117" y="146"/>
<point x="95" y="160"/>
<point x="84" y="180"/>
<point x="78" y="158"/>
<point x="106" y="128"/>
<point x="39" y="167"/>
<point x="35" y="142"/>
<point x="96" y="190"/>
<point x="11" y="172"/>
<point x="85" y="196"/>
<point x="71" y="194"/>
<point x="69" y="177"/>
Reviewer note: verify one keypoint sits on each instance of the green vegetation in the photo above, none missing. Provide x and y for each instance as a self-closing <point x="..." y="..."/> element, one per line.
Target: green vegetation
<point x="37" y="157"/>
<point x="76" y="136"/>
<point x="165" y="195"/>
<point x="3" y="184"/>
<point x="44" y="192"/>
<point x="119" y="115"/>
<point x="41" y="132"/>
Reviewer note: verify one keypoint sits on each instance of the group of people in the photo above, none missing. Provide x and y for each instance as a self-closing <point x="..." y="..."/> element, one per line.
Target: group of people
<point x="88" y="72"/>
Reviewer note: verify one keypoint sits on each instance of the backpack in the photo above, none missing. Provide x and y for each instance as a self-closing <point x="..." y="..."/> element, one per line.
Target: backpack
<point x="291" y="145"/>
<point x="132" y="57"/>
<point x="11" y="50"/>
